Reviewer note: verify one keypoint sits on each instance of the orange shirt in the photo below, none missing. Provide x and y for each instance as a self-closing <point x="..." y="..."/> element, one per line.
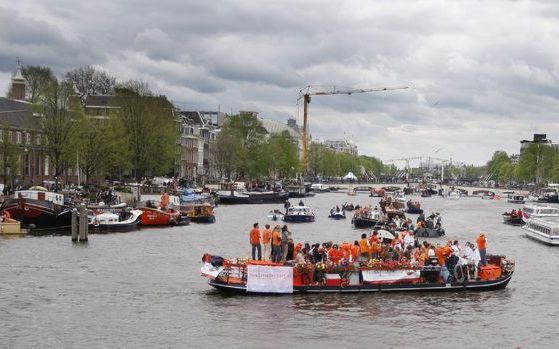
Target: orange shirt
<point x="375" y="247"/>
<point x="481" y="242"/>
<point x="364" y="245"/>
<point x="335" y="254"/>
<point x="255" y="236"/>
<point x="355" y="252"/>
<point x="276" y="238"/>
<point x="266" y="236"/>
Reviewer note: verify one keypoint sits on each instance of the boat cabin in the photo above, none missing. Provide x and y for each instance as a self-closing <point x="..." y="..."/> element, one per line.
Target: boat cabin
<point x="299" y="210"/>
<point x="55" y="198"/>
<point x="174" y="200"/>
<point x="543" y="230"/>
<point x="533" y="211"/>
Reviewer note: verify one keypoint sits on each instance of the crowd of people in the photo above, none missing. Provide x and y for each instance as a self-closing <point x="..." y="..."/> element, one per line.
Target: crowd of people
<point x="279" y="247"/>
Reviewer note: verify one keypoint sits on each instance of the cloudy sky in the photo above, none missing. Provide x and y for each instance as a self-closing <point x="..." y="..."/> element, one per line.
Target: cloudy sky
<point x="482" y="75"/>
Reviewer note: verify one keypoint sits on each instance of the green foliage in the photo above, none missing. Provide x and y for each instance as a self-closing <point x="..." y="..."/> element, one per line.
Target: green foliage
<point x="281" y="154"/>
<point x="56" y="116"/>
<point x="537" y="163"/>
<point x="37" y="81"/>
<point x="326" y="162"/>
<point x="151" y="131"/>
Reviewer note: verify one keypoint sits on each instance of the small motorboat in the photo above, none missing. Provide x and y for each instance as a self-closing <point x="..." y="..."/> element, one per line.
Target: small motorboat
<point x="337" y="214"/>
<point x="199" y="213"/>
<point x="276" y="215"/>
<point x="363" y="219"/>
<point x="413" y="208"/>
<point x="513" y="218"/>
<point x="430" y="232"/>
<point x="348" y="207"/>
<point x="115" y="222"/>
<point x="299" y="214"/>
<point x="11" y="227"/>
<point x="162" y="211"/>
<point x="516" y="199"/>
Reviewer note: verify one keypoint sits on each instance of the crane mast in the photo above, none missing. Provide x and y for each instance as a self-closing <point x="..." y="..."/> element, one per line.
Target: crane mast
<point x="306" y="94"/>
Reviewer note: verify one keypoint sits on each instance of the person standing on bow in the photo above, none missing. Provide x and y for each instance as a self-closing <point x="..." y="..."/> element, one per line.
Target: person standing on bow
<point x="481" y="245"/>
<point x="254" y="237"/>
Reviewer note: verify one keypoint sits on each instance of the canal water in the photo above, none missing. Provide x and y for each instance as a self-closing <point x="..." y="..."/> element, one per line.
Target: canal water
<point x="143" y="289"/>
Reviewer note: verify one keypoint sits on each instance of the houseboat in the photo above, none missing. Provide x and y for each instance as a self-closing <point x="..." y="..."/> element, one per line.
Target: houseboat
<point x="236" y="193"/>
<point x="38" y="209"/>
<point x="543" y="230"/>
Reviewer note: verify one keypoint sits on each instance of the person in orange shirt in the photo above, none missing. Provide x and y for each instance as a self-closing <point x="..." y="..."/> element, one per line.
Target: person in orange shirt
<point x="335" y="254"/>
<point x="355" y="249"/>
<point x="375" y="249"/>
<point x="266" y="239"/>
<point x="364" y="247"/>
<point x="439" y="253"/>
<point x="255" y="241"/>
<point x="276" y="244"/>
<point x="481" y="245"/>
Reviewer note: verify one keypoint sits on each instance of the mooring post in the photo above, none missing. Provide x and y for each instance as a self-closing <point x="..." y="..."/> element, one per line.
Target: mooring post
<point x="83" y="223"/>
<point x="74" y="225"/>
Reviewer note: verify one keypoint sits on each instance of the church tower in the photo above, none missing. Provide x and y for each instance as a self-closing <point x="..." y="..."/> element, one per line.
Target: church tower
<point x="18" y="84"/>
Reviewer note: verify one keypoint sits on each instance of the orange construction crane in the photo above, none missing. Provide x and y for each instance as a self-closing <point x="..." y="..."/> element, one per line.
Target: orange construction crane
<point x="309" y="91"/>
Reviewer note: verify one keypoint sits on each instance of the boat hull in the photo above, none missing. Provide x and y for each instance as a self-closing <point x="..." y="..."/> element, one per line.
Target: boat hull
<point x="298" y="219"/>
<point x="478" y="285"/>
<point x="508" y="219"/>
<point x="363" y="223"/>
<point x="337" y="216"/>
<point x="414" y="210"/>
<point x="429" y="233"/>
<point x="153" y="216"/>
<point x="202" y="219"/>
<point x="264" y="198"/>
<point x="37" y="213"/>
<point x="113" y="228"/>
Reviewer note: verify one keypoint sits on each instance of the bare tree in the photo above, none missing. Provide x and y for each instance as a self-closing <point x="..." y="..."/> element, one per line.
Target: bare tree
<point x="90" y="81"/>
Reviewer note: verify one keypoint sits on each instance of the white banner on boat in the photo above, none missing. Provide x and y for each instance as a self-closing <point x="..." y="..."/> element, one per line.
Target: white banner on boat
<point x="389" y="276"/>
<point x="262" y="278"/>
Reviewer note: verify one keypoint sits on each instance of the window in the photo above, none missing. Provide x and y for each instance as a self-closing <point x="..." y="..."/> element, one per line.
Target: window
<point x="38" y="139"/>
<point x="27" y="138"/>
<point x="46" y="166"/>
<point x="1" y="136"/>
<point x="18" y="137"/>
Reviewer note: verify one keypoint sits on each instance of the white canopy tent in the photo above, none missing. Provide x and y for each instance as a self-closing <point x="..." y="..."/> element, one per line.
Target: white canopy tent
<point x="350" y="175"/>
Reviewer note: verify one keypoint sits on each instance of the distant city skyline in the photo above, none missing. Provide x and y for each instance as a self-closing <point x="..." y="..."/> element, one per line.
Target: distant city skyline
<point x="482" y="75"/>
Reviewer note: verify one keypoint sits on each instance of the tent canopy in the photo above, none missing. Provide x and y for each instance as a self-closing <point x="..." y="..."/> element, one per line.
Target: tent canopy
<point x="350" y="175"/>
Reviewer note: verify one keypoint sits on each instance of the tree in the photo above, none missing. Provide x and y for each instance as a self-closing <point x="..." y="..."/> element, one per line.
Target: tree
<point x="37" y="80"/>
<point x="282" y="154"/>
<point x="498" y="165"/>
<point x="90" y="81"/>
<point x="56" y="118"/>
<point x="225" y="149"/>
<point x="151" y="128"/>
<point x="9" y="154"/>
<point x="536" y="163"/>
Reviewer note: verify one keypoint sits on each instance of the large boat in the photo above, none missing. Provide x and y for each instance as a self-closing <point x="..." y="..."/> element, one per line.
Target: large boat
<point x="299" y="214"/>
<point x="549" y="194"/>
<point x="122" y="221"/>
<point x="543" y="230"/>
<point x="156" y="213"/>
<point x="235" y="193"/>
<point x="256" y="277"/>
<point x="38" y="209"/>
<point x="539" y="211"/>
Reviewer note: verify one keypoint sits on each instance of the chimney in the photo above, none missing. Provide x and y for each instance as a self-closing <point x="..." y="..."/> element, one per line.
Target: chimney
<point x="18" y="85"/>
